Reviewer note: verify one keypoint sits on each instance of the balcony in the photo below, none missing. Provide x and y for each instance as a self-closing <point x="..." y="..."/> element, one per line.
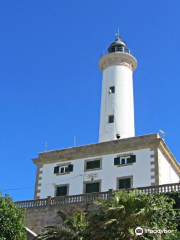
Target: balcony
<point x="91" y="197"/>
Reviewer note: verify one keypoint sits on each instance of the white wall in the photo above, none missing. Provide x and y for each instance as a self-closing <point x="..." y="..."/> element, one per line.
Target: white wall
<point x="167" y="173"/>
<point x="141" y="171"/>
<point x="120" y="104"/>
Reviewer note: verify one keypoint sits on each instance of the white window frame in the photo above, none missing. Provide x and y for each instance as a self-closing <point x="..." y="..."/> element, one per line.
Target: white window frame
<point x="124" y="157"/>
<point x="63" y="167"/>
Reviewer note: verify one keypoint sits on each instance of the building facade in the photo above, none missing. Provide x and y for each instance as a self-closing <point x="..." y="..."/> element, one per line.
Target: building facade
<point x="120" y="160"/>
<point x="125" y="163"/>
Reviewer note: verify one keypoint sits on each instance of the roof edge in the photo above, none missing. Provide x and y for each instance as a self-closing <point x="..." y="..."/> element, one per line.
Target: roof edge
<point x="103" y="148"/>
<point x="167" y="152"/>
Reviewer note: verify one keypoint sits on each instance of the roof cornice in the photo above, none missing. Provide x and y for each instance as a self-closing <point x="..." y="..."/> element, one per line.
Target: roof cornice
<point x="98" y="149"/>
<point x="166" y="151"/>
<point x="104" y="148"/>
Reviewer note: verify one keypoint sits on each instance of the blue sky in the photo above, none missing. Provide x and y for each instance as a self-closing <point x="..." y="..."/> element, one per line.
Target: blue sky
<point x="50" y="81"/>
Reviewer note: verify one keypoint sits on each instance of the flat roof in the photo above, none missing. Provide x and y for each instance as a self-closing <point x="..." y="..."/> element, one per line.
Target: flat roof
<point x="104" y="148"/>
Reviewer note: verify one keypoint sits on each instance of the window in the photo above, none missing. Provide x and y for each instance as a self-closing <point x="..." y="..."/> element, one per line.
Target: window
<point x="63" y="169"/>
<point x="62" y="190"/>
<point x="111" y="89"/>
<point x="92" y="187"/>
<point x="111" y="119"/>
<point x="124" y="183"/>
<point x="125" y="160"/>
<point x="94" y="164"/>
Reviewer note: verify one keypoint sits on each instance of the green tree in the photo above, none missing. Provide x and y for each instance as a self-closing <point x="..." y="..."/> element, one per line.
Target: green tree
<point x="176" y="206"/>
<point x="11" y="220"/>
<point x="118" y="217"/>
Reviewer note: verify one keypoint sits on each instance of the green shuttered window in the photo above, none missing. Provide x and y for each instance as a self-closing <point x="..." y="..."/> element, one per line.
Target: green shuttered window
<point x="92" y="164"/>
<point x="70" y="168"/>
<point x="56" y="169"/>
<point x="124" y="183"/>
<point x="117" y="161"/>
<point x="63" y="169"/>
<point x="61" y="191"/>
<point x="125" y="160"/>
<point x="92" y="187"/>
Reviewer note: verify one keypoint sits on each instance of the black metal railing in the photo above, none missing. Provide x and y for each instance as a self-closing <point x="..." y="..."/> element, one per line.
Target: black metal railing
<point x="116" y="49"/>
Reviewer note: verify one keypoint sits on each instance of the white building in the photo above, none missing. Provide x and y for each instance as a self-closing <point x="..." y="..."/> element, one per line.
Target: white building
<point x="120" y="160"/>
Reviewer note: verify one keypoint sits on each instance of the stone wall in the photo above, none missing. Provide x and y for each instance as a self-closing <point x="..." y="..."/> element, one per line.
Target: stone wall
<point x="39" y="217"/>
<point x="43" y="212"/>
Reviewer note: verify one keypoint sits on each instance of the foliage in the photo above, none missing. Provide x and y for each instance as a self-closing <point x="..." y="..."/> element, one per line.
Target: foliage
<point x="176" y="206"/>
<point x="57" y="232"/>
<point x="117" y="219"/>
<point x="11" y="220"/>
<point x="72" y="227"/>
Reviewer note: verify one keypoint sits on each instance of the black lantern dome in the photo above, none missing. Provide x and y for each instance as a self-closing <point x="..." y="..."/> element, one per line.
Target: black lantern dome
<point x="118" y="46"/>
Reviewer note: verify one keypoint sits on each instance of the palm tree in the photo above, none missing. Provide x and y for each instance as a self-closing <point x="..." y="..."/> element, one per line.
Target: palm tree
<point x="71" y="229"/>
<point x="56" y="233"/>
<point x="118" y="217"/>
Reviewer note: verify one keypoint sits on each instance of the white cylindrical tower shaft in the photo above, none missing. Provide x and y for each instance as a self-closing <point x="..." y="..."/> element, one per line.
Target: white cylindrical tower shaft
<point x="117" y="103"/>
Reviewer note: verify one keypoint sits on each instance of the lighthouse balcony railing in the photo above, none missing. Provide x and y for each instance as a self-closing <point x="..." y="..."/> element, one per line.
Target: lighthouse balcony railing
<point x="115" y="49"/>
<point x="91" y="197"/>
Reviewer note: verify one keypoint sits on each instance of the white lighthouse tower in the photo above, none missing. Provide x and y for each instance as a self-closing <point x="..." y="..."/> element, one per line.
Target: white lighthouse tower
<point x="131" y="162"/>
<point x="117" y="103"/>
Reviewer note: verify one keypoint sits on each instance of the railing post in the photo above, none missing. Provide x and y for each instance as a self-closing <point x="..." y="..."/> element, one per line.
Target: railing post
<point x="93" y="196"/>
<point x="110" y="193"/>
<point x="48" y="201"/>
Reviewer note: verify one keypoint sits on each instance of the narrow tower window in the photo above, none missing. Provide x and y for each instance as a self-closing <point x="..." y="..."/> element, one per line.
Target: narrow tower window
<point x="111" y="89"/>
<point x="111" y="119"/>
